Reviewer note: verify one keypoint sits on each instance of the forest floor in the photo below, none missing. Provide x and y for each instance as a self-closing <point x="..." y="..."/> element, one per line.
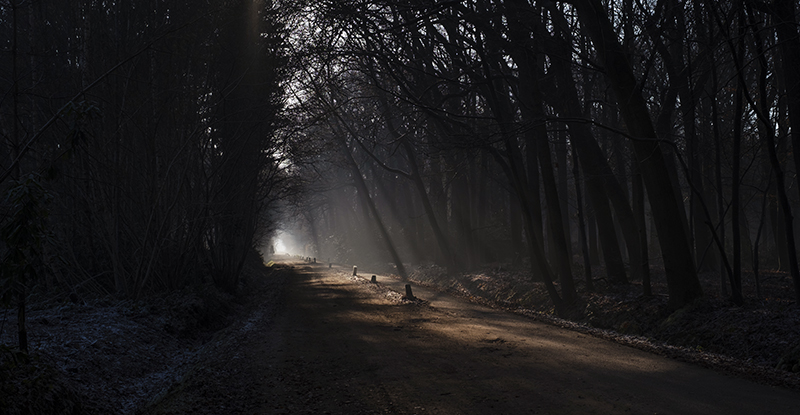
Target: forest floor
<point x="203" y="352"/>
<point x="106" y="356"/>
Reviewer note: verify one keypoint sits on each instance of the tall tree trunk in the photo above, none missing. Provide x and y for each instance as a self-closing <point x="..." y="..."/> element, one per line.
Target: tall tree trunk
<point x="637" y="188"/>
<point x="621" y="173"/>
<point x="736" y="279"/>
<point x="433" y="218"/>
<point x="785" y="18"/>
<point x="775" y="211"/>
<point x="410" y="222"/>
<point x="515" y="227"/>
<point x="531" y="104"/>
<point x="691" y="94"/>
<point x="563" y="187"/>
<point x="600" y="179"/>
<point x="555" y="218"/>
<point x="363" y="190"/>
<point x="437" y="197"/>
<point x="479" y="201"/>
<point x="793" y="92"/>
<point x="718" y="180"/>
<point x="587" y="264"/>
<point x="539" y="265"/>
<point x="22" y="331"/>
<point x="591" y="229"/>
<point x="707" y="257"/>
<point x="683" y="284"/>
<point x="312" y="225"/>
<point x="534" y="188"/>
<point x="761" y="222"/>
<point x="462" y="220"/>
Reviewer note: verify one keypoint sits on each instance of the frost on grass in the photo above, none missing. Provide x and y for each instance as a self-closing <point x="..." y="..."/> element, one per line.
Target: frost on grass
<point x="117" y="357"/>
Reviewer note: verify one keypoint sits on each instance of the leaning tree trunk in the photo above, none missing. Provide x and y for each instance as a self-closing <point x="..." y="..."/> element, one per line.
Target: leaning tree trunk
<point x="539" y="265"/>
<point x="601" y="184"/>
<point x="416" y="177"/>
<point x="682" y="281"/>
<point x="531" y="104"/>
<point x="736" y="278"/>
<point x="587" y="264"/>
<point x="784" y="13"/>
<point x="367" y="199"/>
<point x="438" y="232"/>
<point x="791" y="57"/>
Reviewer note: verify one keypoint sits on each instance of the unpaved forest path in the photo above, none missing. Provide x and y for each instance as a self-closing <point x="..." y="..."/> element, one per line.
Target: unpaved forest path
<point x="343" y="346"/>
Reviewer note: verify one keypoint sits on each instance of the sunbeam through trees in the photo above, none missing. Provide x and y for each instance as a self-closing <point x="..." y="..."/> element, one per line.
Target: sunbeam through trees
<point x="150" y="147"/>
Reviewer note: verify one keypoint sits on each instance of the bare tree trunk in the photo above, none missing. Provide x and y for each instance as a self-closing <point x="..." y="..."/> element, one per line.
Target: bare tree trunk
<point x="479" y="202"/>
<point x="563" y="187"/>
<point x="718" y="180"/>
<point x="776" y="225"/>
<point x="621" y="173"/>
<point x="707" y="257"/>
<point x="409" y="222"/>
<point x="761" y="222"/>
<point x="793" y="93"/>
<point x="367" y="199"/>
<point x="555" y="219"/>
<point x="539" y="264"/>
<point x="438" y="204"/>
<point x="21" y="288"/>
<point x="637" y="189"/>
<point x="312" y="225"/>
<point x="460" y="212"/>
<point x="587" y="264"/>
<point x="601" y="183"/>
<point x="787" y="215"/>
<point x="736" y="279"/>
<point x="784" y="13"/>
<point x="433" y="218"/>
<point x="591" y="228"/>
<point x="515" y="228"/>
<point x="682" y="280"/>
<point x="531" y="103"/>
<point x="534" y="188"/>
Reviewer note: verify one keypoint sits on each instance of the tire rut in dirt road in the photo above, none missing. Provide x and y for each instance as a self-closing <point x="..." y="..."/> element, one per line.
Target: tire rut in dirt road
<point x="342" y="346"/>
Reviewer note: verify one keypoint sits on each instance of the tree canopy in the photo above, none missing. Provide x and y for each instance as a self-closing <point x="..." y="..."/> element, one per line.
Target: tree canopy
<point x="149" y="146"/>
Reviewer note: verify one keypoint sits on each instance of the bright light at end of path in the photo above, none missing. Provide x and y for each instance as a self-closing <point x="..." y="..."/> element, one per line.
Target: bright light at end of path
<point x="279" y="246"/>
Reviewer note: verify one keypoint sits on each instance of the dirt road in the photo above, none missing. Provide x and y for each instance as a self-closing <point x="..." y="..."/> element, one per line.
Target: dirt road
<point x="344" y="346"/>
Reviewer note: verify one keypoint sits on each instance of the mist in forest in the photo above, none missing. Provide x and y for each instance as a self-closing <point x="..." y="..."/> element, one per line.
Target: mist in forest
<point x="626" y="165"/>
<point x="146" y="149"/>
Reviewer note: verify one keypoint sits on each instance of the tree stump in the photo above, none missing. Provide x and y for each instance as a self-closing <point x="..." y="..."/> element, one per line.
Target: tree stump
<point x="374" y="279"/>
<point x="355" y="270"/>
<point x="409" y="294"/>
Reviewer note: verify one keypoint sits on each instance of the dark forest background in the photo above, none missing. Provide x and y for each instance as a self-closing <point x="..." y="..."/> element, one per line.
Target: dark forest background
<point x="147" y="147"/>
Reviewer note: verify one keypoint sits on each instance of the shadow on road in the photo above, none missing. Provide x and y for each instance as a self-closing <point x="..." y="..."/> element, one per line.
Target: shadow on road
<point x="347" y="349"/>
